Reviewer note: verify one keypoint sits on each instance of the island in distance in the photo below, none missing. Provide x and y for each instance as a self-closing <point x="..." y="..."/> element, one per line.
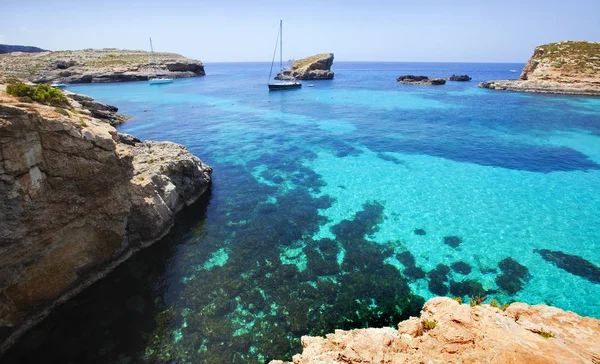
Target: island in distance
<point x="96" y="66"/>
<point x="569" y="67"/>
<point x="317" y="67"/>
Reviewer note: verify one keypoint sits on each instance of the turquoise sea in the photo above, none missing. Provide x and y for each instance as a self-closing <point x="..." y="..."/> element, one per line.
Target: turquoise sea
<point x="343" y="205"/>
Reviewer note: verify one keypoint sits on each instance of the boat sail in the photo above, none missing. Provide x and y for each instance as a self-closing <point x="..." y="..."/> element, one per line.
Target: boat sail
<point x="155" y="79"/>
<point x="286" y="84"/>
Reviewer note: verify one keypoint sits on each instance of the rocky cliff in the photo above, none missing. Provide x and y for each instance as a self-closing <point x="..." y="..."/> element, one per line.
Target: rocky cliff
<point x="449" y="332"/>
<point x="570" y="67"/>
<point x="95" y="65"/>
<point x="76" y="199"/>
<point x="317" y="67"/>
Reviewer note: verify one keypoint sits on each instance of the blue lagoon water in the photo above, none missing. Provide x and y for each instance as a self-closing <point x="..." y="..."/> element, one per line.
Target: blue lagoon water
<point x="344" y="205"/>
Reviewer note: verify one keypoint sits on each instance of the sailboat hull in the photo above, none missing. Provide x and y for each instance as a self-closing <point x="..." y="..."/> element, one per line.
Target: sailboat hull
<point x="284" y="86"/>
<point x="160" y="81"/>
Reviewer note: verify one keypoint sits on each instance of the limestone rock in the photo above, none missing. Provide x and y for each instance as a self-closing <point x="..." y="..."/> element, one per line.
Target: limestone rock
<point x="95" y="66"/>
<point x="465" y="334"/>
<point x="570" y="67"/>
<point x="420" y="80"/>
<point x="317" y="67"/>
<point x="77" y="199"/>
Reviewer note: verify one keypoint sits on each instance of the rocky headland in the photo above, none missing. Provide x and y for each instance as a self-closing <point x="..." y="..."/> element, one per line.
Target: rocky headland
<point x="78" y="198"/>
<point x="8" y="48"/>
<point x="420" y="80"/>
<point x="449" y="332"/>
<point x="569" y="67"/>
<point x="317" y="67"/>
<point x="95" y="66"/>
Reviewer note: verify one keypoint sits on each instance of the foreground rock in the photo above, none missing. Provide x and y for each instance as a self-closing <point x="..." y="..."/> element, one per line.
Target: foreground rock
<point x="78" y="199"/>
<point x="95" y="66"/>
<point x="420" y="80"/>
<point x="448" y="332"/>
<point x="317" y="67"/>
<point x="570" y="67"/>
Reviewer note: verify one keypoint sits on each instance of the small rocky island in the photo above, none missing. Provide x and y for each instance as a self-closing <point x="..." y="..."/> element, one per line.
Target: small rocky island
<point x="461" y="78"/>
<point x="317" y="67"/>
<point x="450" y="332"/>
<point x="95" y="66"/>
<point x="78" y="198"/>
<point x="569" y="67"/>
<point x="420" y="80"/>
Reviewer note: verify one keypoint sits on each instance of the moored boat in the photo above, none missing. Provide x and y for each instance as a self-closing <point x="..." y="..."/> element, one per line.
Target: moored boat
<point x="155" y="79"/>
<point x="284" y="84"/>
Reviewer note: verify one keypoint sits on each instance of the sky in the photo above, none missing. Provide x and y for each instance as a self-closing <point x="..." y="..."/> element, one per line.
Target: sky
<point x="246" y="31"/>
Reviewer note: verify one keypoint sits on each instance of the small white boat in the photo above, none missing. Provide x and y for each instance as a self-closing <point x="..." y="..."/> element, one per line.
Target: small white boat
<point x="155" y="79"/>
<point x="311" y="85"/>
<point x="58" y="85"/>
<point x="513" y="70"/>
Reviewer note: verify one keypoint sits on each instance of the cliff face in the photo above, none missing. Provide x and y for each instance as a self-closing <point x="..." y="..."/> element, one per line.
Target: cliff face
<point x="570" y="67"/>
<point x="317" y="67"/>
<point x="77" y="198"/>
<point x="448" y="332"/>
<point x="95" y="66"/>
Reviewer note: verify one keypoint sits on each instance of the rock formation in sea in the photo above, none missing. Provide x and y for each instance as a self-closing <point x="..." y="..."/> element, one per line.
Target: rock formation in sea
<point x="78" y="198"/>
<point x="569" y="67"/>
<point x="459" y="78"/>
<point x="449" y="332"/>
<point x="8" y="48"/>
<point x="317" y="67"/>
<point x="95" y="66"/>
<point x="420" y="80"/>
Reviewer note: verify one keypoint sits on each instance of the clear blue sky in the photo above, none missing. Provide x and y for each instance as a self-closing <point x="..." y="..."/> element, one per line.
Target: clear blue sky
<point x="237" y="30"/>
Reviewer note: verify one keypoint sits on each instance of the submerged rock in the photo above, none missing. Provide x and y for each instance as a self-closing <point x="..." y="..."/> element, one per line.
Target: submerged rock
<point x="572" y="263"/>
<point x="78" y="199"/>
<point x="464" y="334"/>
<point x="569" y="67"/>
<point x="317" y="67"/>
<point x="513" y="277"/>
<point x="461" y="267"/>
<point x="96" y="66"/>
<point x="420" y="232"/>
<point x="453" y="241"/>
<point x="420" y="80"/>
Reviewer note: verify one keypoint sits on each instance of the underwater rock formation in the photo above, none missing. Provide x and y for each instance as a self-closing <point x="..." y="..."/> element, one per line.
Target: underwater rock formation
<point x="569" y="67"/>
<point x="78" y="199"/>
<point x="572" y="263"/>
<point x="96" y="66"/>
<point x="448" y="332"/>
<point x="317" y="67"/>
<point x="453" y="241"/>
<point x="420" y="80"/>
<point x="513" y="277"/>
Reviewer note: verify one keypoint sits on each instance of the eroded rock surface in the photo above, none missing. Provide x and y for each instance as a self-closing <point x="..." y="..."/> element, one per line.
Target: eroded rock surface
<point x="448" y="332"/>
<point x="77" y="198"/>
<point x="96" y="66"/>
<point x="317" y="67"/>
<point x="570" y="67"/>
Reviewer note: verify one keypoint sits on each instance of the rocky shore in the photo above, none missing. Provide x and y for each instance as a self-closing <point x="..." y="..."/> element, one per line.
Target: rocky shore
<point x="95" y="66"/>
<point x="420" y="80"/>
<point x="570" y="67"/>
<point x="78" y="199"/>
<point x="317" y="67"/>
<point x="449" y="332"/>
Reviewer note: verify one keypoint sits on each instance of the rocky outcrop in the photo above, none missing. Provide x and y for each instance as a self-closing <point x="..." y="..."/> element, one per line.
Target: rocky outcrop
<point x="570" y="67"/>
<point x="462" y="78"/>
<point x="78" y="199"/>
<point x="420" y="80"/>
<point x="317" y="67"/>
<point x="96" y="66"/>
<point x="448" y="332"/>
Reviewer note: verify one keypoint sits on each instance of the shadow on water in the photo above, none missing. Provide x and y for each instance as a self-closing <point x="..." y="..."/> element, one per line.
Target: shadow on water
<point x="116" y="315"/>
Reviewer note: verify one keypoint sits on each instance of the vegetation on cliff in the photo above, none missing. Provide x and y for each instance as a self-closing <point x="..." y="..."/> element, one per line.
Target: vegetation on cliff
<point x="42" y="93"/>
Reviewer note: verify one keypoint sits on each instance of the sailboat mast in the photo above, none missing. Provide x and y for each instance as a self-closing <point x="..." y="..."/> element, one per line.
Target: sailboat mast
<point x="150" y="58"/>
<point x="281" y="44"/>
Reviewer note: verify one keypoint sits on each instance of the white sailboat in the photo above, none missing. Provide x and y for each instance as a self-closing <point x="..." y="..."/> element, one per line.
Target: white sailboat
<point x="282" y="85"/>
<point x="155" y="79"/>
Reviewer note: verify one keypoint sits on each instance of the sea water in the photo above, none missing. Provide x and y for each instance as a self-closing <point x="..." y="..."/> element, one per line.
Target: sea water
<point x="343" y="205"/>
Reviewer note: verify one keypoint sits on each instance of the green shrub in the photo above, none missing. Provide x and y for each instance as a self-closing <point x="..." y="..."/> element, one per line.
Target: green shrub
<point x="429" y="324"/>
<point x="62" y="111"/>
<point x="458" y="299"/>
<point x="546" y="334"/>
<point x="83" y="123"/>
<point x="42" y="93"/>
<point x="476" y="300"/>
